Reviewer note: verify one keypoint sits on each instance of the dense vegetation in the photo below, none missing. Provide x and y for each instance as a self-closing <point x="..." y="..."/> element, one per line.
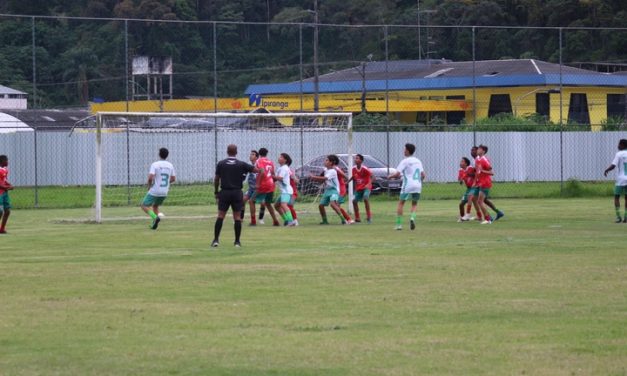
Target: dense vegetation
<point x="79" y="59"/>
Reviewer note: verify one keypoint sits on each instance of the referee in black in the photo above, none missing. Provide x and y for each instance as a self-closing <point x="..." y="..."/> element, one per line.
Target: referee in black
<point x="230" y="174"/>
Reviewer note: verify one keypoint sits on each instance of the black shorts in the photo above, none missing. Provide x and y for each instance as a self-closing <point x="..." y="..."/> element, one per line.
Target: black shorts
<point x="230" y="198"/>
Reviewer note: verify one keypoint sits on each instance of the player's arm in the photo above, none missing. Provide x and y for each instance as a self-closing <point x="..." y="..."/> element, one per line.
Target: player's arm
<point x="395" y="175"/>
<point x="317" y="178"/>
<point x="423" y="175"/>
<point x="151" y="180"/>
<point x="216" y="185"/>
<point x="607" y="170"/>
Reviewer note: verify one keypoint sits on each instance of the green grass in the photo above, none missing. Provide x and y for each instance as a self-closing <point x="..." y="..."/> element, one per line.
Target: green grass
<point x="202" y="194"/>
<point x="541" y="292"/>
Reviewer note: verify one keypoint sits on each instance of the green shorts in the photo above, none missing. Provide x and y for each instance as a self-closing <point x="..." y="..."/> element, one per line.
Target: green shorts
<point x="407" y="196"/>
<point x="485" y="191"/>
<point x="264" y="197"/>
<point x="473" y="191"/>
<point x="362" y="195"/>
<point x="469" y="192"/>
<point x="284" y="198"/>
<point x="341" y="199"/>
<point x="328" y="196"/>
<point x="5" y="201"/>
<point x="620" y="190"/>
<point x="150" y="200"/>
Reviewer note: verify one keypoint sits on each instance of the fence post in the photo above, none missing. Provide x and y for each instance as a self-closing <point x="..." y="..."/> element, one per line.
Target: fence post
<point x="36" y="168"/>
<point x="561" y="118"/>
<point x="215" y="91"/>
<point x="34" y="64"/>
<point x="126" y="60"/>
<point x="474" y="90"/>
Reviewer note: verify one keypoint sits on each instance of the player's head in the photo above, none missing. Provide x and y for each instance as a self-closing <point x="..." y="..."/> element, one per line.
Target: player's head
<point x="231" y="150"/>
<point x="482" y="150"/>
<point x="410" y="149"/>
<point x="254" y="155"/>
<point x="4" y="160"/>
<point x="330" y="161"/>
<point x="263" y="152"/>
<point x="473" y="151"/>
<point x="334" y="159"/>
<point x="163" y="153"/>
<point x="359" y="159"/>
<point x="622" y="144"/>
<point x="464" y="163"/>
<point x="285" y="158"/>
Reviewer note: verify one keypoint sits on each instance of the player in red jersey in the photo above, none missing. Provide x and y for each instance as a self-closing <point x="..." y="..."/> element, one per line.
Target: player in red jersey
<point x="265" y="184"/>
<point x="475" y="195"/>
<point x="466" y="175"/>
<point x="484" y="174"/>
<point x="5" y="187"/>
<point x="341" y="177"/>
<point x="363" y="186"/>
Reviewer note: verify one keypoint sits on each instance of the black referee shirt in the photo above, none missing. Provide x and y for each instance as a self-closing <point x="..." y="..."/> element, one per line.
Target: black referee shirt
<point x="231" y="171"/>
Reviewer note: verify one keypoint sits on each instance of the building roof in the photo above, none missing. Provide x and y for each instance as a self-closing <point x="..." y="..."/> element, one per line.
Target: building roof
<point x="10" y="124"/>
<point x="58" y="119"/>
<point x="8" y="90"/>
<point x="445" y="74"/>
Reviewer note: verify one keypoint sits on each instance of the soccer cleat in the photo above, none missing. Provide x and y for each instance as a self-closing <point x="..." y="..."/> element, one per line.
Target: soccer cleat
<point x="286" y="223"/>
<point x="276" y="224"/>
<point x="624" y="220"/>
<point x="486" y="222"/>
<point x="252" y="224"/>
<point x="461" y="219"/>
<point x="350" y="222"/>
<point x="398" y="228"/>
<point x="324" y="223"/>
<point x="291" y="224"/>
<point x="343" y="222"/>
<point x="3" y="231"/>
<point x="619" y="219"/>
<point x="261" y="222"/>
<point x="237" y="245"/>
<point x="215" y="243"/>
<point x="369" y="221"/>
<point x="357" y="220"/>
<point x="499" y="214"/>
<point x="295" y="222"/>
<point x="155" y="223"/>
<point x="468" y="217"/>
<point x="412" y="224"/>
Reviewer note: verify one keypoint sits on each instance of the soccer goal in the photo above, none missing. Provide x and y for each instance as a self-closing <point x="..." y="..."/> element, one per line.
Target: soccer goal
<point x="128" y="142"/>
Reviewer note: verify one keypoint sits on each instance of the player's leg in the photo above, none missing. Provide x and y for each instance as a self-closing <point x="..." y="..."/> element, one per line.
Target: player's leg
<point x="5" y="211"/>
<point x="399" y="211"/>
<point x="617" y="204"/>
<point x="253" y="218"/>
<point x="462" y="210"/>
<point x="244" y="200"/>
<point x="268" y="205"/>
<point x="483" y="194"/>
<point x="223" y="206"/>
<point x="290" y="206"/>
<point x="324" y="201"/>
<point x="287" y="214"/>
<point x="475" y="204"/>
<point x="356" y="208"/>
<point x="414" y="208"/>
<point x="345" y="215"/>
<point x="366" y="198"/>
<point x="338" y="210"/>
<point x="237" y="203"/>
<point x="499" y="214"/>
<point x="625" y="213"/>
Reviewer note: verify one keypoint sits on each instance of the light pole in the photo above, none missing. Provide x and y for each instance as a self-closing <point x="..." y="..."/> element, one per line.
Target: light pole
<point x="315" y="60"/>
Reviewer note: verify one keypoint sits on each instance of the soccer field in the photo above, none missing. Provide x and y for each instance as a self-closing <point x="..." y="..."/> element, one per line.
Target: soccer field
<point x="540" y="292"/>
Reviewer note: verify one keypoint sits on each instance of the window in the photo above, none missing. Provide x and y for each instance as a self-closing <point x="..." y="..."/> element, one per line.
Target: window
<point x="616" y="105"/>
<point x="455" y="117"/>
<point x="543" y="104"/>
<point x="499" y="103"/>
<point x="578" y="109"/>
<point x="456" y="97"/>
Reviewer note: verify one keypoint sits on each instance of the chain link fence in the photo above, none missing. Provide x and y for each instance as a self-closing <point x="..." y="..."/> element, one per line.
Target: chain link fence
<point x="547" y="114"/>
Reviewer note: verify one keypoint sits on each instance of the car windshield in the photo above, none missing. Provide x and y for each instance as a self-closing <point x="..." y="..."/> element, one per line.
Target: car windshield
<point x="369" y="161"/>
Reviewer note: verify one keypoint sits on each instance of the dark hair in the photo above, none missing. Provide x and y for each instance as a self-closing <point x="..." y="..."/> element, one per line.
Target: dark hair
<point x="255" y="152"/>
<point x="361" y="157"/>
<point x="288" y="159"/>
<point x="485" y="148"/>
<point x="474" y="147"/>
<point x="163" y="153"/>
<point x="3" y="158"/>
<point x="622" y="144"/>
<point x="263" y="152"/>
<point x="466" y="160"/>
<point x="411" y="148"/>
<point x="231" y="150"/>
<point x="333" y="158"/>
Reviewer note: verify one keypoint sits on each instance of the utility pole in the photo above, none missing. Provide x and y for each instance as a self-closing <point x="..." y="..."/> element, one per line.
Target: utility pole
<point x="419" y="38"/>
<point x="363" y="87"/>
<point x="315" y="60"/>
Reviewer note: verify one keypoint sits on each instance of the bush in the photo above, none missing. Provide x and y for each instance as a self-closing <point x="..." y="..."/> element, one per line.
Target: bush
<point x="614" y="123"/>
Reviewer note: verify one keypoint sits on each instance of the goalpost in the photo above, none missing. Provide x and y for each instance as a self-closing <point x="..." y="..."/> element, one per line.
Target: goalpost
<point x="128" y="142"/>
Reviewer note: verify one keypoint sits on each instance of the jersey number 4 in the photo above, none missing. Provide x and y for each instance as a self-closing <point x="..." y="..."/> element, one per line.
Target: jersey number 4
<point x="416" y="175"/>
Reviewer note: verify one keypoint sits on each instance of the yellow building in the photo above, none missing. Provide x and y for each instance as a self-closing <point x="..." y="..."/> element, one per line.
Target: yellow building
<point x="431" y="91"/>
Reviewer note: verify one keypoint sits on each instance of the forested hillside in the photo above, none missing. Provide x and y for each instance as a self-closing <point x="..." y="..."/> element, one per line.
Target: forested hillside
<point x="78" y="59"/>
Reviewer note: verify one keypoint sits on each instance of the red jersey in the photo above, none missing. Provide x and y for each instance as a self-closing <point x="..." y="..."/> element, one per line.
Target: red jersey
<point x="293" y="184"/>
<point x="483" y="180"/>
<point x="4" y="172"/>
<point x="467" y="176"/>
<point x="266" y="170"/>
<point x="362" y="177"/>
<point x="342" y="180"/>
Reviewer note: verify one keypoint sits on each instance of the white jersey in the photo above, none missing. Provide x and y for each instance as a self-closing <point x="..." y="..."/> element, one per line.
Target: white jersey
<point x="284" y="184"/>
<point x="620" y="161"/>
<point x="332" y="181"/>
<point x="411" y="171"/>
<point x="162" y="171"/>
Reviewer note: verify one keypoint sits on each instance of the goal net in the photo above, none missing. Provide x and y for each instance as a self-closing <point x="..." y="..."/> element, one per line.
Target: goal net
<point x="128" y="143"/>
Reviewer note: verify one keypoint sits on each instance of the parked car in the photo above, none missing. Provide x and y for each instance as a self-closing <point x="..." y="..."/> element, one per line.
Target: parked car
<point x="316" y="166"/>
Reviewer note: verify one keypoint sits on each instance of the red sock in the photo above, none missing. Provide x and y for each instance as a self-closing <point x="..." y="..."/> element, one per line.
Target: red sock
<point x="292" y="211"/>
